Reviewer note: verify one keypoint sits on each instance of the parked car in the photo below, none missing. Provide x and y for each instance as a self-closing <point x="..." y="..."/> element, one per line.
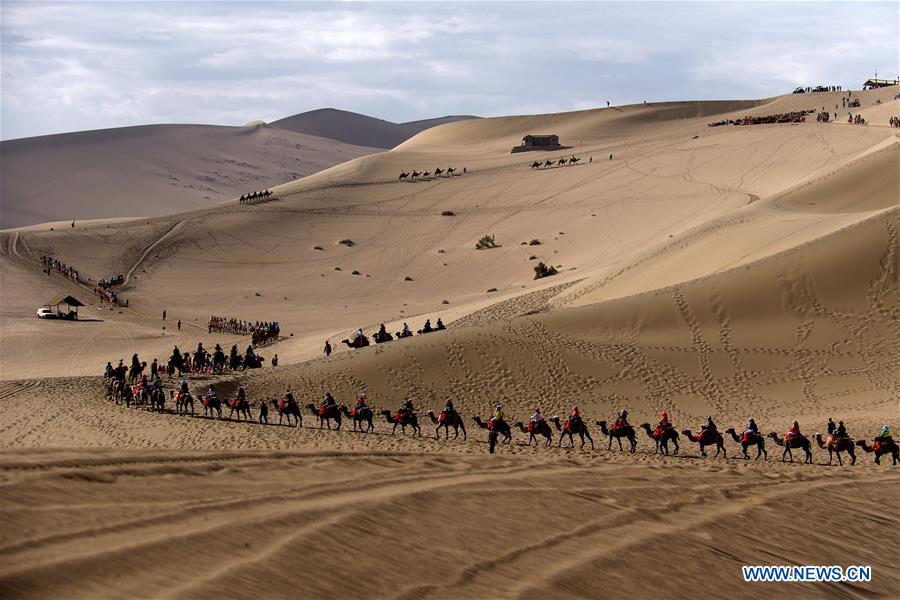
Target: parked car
<point x="45" y="312"/>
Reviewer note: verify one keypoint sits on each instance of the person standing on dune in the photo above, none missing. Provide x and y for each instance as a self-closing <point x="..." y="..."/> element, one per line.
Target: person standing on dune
<point x="327" y="348"/>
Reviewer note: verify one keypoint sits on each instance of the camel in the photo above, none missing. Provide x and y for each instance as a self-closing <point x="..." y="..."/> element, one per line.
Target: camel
<point x="618" y="434"/>
<point x="210" y="404"/>
<point x="414" y="174"/>
<point x="548" y="163"/>
<point x="241" y="407"/>
<point x="381" y="338"/>
<point x="135" y="372"/>
<point x="574" y="160"/>
<point x="569" y="429"/>
<point x="882" y="446"/>
<point x="753" y="439"/>
<point x="400" y="335"/>
<point x="836" y="445"/>
<point x="450" y="171"/>
<point x="288" y="409"/>
<point x="662" y="440"/>
<point x="157" y="400"/>
<point x="705" y="441"/>
<point x="438" y="172"/>
<point x="536" y="165"/>
<point x="397" y="419"/>
<point x="796" y="442"/>
<point x="535" y="429"/>
<point x="181" y="402"/>
<point x="426" y="174"/>
<point x="447" y="421"/>
<point x="502" y="428"/>
<point x="561" y="162"/>
<point x="359" y="416"/>
<point x="326" y="416"/>
<point x="357" y="343"/>
<point x="403" y="175"/>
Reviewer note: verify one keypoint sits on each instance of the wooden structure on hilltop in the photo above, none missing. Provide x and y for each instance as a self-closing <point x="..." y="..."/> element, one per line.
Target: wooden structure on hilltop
<point x="539" y="142"/>
<point x="875" y="83"/>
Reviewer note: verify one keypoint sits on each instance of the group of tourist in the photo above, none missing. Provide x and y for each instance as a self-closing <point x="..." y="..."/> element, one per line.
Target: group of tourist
<point x="895" y="121"/>
<point x="855" y="120"/>
<point x="50" y="264"/>
<point x="789" y="117"/>
<point x="818" y="88"/>
<point x="262" y="332"/>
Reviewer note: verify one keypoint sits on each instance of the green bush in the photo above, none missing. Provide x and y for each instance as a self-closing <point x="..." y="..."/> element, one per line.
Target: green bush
<point x="541" y="270"/>
<point x="486" y="242"/>
<point x="347" y="242"/>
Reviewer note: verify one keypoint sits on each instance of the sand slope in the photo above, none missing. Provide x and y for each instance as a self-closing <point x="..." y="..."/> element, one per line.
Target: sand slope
<point x="151" y="170"/>
<point x="349" y="127"/>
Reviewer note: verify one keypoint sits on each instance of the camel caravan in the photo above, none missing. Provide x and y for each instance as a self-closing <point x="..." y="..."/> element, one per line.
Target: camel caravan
<point x="789" y="117"/>
<point x="430" y="175"/>
<point x="549" y="164"/>
<point x="256" y="197"/>
<point x="261" y="332"/>
<point x="103" y="288"/>
<point x="361" y="340"/>
<point x="131" y="387"/>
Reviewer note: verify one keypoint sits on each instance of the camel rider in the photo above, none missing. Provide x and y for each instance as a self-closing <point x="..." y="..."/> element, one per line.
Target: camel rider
<point x="439" y="324"/>
<point x="663" y="422"/>
<point x="710" y="427"/>
<point x="405" y="330"/>
<point x="536" y="416"/>
<point x="427" y="327"/>
<point x="885" y="432"/>
<point x="621" y="420"/>
<point x="183" y="387"/>
<point x="156" y="383"/>
<point x="211" y="393"/>
<point x="200" y="350"/>
<point x="360" y="402"/>
<point x="382" y="331"/>
<point x="408" y="406"/>
<point x="498" y="413"/>
<point x="241" y="394"/>
<point x="359" y="334"/>
<point x="154" y="369"/>
<point x="143" y="383"/>
<point x="751" y="428"/>
<point x="831" y="426"/>
<point x="108" y="372"/>
<point x="135" y="362"/>
<point x="448" y="407"/>
<point x="794" y="431"/>
<point x="575" y="417"/>
<point x="841" y="431"/>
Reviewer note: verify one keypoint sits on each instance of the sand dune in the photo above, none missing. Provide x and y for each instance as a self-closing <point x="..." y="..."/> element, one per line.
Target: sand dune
<point x="349" y="127"/>
<point x="732" y="272"/>
<point x="152" y="170"/>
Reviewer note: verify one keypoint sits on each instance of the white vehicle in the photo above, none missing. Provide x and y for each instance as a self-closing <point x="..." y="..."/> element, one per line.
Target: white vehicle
<point x="45" y="312"/>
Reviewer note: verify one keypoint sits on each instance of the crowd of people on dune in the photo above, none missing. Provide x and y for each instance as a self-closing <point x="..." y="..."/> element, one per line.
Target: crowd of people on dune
<point x="818" y="88"/>
<point x="255" y="196"/>
<point x="788" y="117"/>
<point x="50" y="264"/>
<point x="438" y="172"/>
<point x="149" y="392"/>
<point x="361" y="340"/>
<point x="262" y="332"/>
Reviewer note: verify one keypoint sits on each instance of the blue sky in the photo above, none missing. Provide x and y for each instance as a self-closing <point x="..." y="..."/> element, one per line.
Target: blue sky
<point x="73" y="65"/>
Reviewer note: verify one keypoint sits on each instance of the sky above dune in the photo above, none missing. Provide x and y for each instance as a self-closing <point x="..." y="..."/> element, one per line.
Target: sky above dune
<point x="73" y="66"/>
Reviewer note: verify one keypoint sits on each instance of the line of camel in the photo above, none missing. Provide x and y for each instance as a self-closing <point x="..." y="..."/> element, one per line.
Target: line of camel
<point x="404" y="176"/>
<point x="560" y="163"/>
<point x="362" y="420"/>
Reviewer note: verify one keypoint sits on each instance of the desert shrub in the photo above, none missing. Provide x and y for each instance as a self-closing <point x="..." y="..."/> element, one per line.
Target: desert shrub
<point x="492" y="290"/>
<point x="355" y="273"/>
<point x="486" y="242"/>
<point x="407" y="278"/>
<point x="448" y="213"/>
<point x="318" y="248"/>
<point x="541" y="270"/>
<point x="337" y="268"/>
<point x="347" y="242"/>
<point x="445" y="302"/>
<point x="534" y="242"/>
<point x="532" y="257"/>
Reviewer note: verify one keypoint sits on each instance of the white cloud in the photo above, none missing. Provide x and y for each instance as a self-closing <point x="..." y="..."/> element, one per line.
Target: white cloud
<point x="74" y="65"/>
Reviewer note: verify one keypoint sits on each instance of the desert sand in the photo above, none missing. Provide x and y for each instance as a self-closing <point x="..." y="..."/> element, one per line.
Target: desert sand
<point x="731" y="272"/>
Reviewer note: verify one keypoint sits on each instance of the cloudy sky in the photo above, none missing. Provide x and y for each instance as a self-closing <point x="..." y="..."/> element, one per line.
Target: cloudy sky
<point x="71" y="66"/>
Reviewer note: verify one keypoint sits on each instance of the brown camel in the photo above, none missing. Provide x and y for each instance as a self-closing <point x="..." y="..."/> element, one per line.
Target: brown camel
<point x="403" y="419"/>
<point x="535" y="429"/>
<point x="882" y="446"/>
<point x="706" y="440"/>
<point x="571" y="428"/>
<point x="361" y="342"/>
<point x="359" y="416"/>
<point x="158" y="400"/>
<point x="447" y="421"/>
<point x="288" y="409"/>
<point x="618" y="434"/>
<point x="210" y="404"/>
<point x="501" y="427"/>
<point x="326" y="416"/>
<point x="239" y="406"/>
<point x="800" y="441"/>
<point x="662" y="440"/>
<point x="836" y="445"/>
<point x="750" y="439"/>
<point x="181" y="402"/>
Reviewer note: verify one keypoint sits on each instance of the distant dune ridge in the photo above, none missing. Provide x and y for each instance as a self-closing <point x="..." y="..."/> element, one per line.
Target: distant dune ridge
<point x="727" y="272"/>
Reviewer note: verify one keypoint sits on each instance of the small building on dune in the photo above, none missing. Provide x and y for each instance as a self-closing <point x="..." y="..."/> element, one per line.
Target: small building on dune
<point x="874" y="83"/>
<point x="539" y="142"/>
